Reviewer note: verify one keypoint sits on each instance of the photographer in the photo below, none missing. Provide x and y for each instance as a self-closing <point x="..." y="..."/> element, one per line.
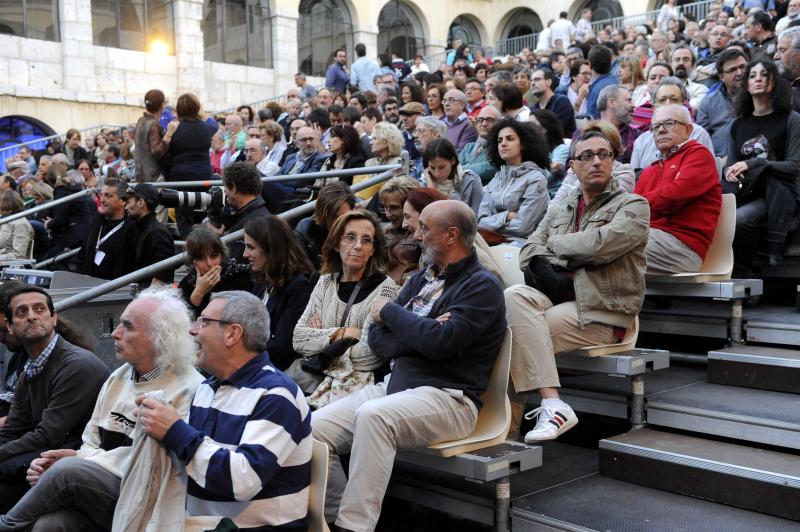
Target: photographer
<point x="154" y="242"/>
<point x="243" y="188"/>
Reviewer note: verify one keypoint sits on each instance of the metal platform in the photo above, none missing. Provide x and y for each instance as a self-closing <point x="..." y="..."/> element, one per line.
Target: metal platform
<point x="736" y="475"/>
<point x="726" y="290"/>
<point x="777" y="327"/>
<point x="765" y="368"/>
<point x="746" y="414"/>
<point x="604" y="504"/>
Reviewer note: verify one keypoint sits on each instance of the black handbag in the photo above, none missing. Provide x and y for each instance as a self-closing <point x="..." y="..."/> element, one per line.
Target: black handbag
<point x="555" y="284"/>
<point x="319" y="362"/>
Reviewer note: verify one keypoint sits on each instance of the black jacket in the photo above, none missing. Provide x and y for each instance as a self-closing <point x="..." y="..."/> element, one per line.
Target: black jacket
<point x="254" y="209"/>
<point x="458" y="353"/>
<point x="311" y="238"/>
<point x="285" y="306"/>
<point x="70" y="222"/>
<point x="153" y="244"/>
<point x="119" y="249"/>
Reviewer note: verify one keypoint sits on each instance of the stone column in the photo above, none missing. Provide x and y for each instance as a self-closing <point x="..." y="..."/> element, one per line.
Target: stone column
<point x="369" y="36"/>
<point x="77" y="48"/>
<point x="284" y="49"/>
<point x="189" y="48"/>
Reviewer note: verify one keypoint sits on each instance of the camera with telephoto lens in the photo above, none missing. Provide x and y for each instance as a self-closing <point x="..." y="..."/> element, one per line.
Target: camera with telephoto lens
<point x="211" y="203"/>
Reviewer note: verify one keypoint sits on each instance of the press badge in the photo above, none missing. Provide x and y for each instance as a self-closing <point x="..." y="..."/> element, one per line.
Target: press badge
<point x="98" y="257"/>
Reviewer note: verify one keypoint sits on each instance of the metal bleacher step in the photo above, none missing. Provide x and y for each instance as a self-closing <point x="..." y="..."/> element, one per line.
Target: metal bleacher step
<point x="765" y="368"/>
<point x="604" y="504"/>
<point x="760" y="416"/>
<point x="781" y="328"/>
<point x="736" y="475"/>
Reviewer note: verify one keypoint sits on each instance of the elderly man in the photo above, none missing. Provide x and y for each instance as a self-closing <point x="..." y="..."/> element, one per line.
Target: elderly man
<point x="235" y="139"/>
<point x="54" y="395"/>
<point x="475" y="156"/>
<point x="292" y="147"/>
<point x="247" y="443"/>
<point x="254" y="151"/>
<point x="81" y="492"/>
<point x="716" y="110"/>
<point x="616" y="106"/>
<point x="543" y="87"/>
<point x="442" y="335"/>
<point x="19" y="170"/>
<point x="684" y="194"/>
<point x="428" y="128"/>
<point x="669" y="92"/>
<point x="792" y="14"/>
<point x="308" y="158"/>
<point x="459" y="131"/>
<point x="409" y="114"/>
<point x="584" y="283"/>
<point x="788" y="56"/>
<point x="682" y="62"/>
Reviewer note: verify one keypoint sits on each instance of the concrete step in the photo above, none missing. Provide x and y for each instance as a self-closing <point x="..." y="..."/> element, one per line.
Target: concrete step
<point x="765" y="368"/>
<point x="727" y="473"/>
<point x="604" y="504"/>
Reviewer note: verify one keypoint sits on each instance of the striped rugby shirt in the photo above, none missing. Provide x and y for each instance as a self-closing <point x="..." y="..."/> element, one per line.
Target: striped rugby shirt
<point x="247" y="448"/>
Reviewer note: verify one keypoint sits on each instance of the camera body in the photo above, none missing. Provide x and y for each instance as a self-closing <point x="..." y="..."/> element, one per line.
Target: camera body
<point x="212" y="203"/>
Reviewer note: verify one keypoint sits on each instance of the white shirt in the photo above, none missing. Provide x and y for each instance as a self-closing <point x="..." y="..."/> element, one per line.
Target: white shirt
<point x="561" y="29"/>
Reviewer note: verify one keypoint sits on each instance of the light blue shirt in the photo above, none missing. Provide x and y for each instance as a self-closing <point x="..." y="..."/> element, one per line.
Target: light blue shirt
<point x="362" y="72"/>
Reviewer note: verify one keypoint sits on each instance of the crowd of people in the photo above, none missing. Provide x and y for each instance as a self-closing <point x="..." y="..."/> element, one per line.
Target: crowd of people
<point x="373" y="325"/>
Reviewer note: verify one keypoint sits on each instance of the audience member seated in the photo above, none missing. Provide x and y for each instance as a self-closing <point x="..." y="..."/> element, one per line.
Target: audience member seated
<point x="616" y="107"/>
<point x="71" y="221"/>
<point x="584" y="284"/>
<point x="621" y="173"/>
<point x="333" y="201"/>
<point x="671" y="91"/>
<point x="255" y="155"/>
<point x="548" y="126"/>
<point x="54" y="395"/>
<point x="281" y="196"/>
<point x="442" y="336"/>
<point x="210" y="270"/>
<point x="474" y="156"/>
<point x="387" y="143"/>
<point x="428" y="129"/>
<point x="154" y="241"/>
<point x="764" y="159"/>
<point x="247" y="443"/>
<point x="684" y="194"/>
<point x="72" y="148"/>
<point x="242" y="184"/>
<point x="716" y="110"/>
<point x="445" y="174"/>
<point x="392" y="195"/>
<point x="331" y="334"/>
<point x="643" y="112"/>
<point x="543" y="86"/>
<point x="281" y="278"/>
<point x="272" y="137"/>
<point x="82" y="488"/>
<point x="345" y="153"/>
<point x="107" y="253"/>
<point x="516" y="198"/>
<point x="510" y="102"/>
<point x="16" y="237"/>
<point x="459" y="131"/>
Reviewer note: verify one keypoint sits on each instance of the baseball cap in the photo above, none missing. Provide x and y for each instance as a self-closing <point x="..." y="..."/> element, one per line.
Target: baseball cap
<point x="144" y="191"/>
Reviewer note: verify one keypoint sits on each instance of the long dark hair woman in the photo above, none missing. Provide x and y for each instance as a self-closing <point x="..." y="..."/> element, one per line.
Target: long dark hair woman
<point x="763" y="163"/>
<point x="346" y="152"/>
<point x="280" y="271"/>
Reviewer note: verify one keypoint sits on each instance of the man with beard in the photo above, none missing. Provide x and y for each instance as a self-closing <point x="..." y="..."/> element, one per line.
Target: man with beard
<point x="337" y="76"/>
<point x="616" y="106"/>
<point x="154" y="242"/>
<point x="716" y="110"/>
<point x="787" y="55"/>
<point x="391" y="111"/>
<point x="682" y="62"/>
<point x="54" y="395"/>
<point x="543" y="87"/>
<point x="442" y="335"/>
<point x="106" y="251"/>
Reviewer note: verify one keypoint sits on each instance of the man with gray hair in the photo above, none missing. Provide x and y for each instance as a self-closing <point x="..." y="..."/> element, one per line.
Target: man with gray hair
<point x="81" y="488"/>
<point x="247" y="443"/>
<point x="254" y="151"/>
<point x="459" y="131"/>
<point x="684" y="194"/>
<point x="442" y="335"/>
<point x="787" y="55"/>
<point x="428" y="128"/>
<point x="616" y="106"/>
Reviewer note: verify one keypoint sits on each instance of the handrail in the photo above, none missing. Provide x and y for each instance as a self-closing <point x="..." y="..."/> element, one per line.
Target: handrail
<point x="697" y="9"/>
<point x="46" y="206"/>
<point x="57" y="258"/>
<point x="180" y="258"/>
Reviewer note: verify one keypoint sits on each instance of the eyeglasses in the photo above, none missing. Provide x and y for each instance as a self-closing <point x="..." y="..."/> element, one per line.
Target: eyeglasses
<point x="351" y="239"/>
<point x="669" y="125"/>
<point x="589" y="155"/>
<point x="733" y="69"/>
<point x="451" y="100"/>
<point x="202" y="322"/>
<point x="306" y="139"/>
<point x="486" y="120"/>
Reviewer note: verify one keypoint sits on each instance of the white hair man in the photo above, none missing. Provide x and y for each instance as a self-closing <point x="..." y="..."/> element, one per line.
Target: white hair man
<point x="256" y="155"/>
<point x="81" y="489"/>
<point x="428" y="128"/>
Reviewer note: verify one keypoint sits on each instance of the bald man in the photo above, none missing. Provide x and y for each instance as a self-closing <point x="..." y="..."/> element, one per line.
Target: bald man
<point x="255" y="153"/>
<point x="474" y="156"/>
<point x="235" y="139"/>
<point x="443" y="334"/>
<point x="281" y="197"/>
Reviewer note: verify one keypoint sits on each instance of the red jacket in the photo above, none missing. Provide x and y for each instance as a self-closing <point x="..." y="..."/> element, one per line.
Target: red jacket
<point x="684" y="195"/>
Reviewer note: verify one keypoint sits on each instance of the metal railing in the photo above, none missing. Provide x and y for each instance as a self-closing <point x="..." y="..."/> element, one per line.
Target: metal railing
<point x="46" y="206"/>
<point x="695" y="10"/>
<point x="181" y="258"/>
<point x="515" y="45"/>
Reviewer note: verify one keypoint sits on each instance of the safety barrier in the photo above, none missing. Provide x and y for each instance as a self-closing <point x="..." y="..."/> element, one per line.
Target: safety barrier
<point x="179" y="259"/>
<point x="696" y="11"/>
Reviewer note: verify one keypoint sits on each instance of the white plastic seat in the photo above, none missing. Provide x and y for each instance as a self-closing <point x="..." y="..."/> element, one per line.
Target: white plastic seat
<point x="494" y="418"/>
<point x="627" y="344"/>
<point x="507" y="259"/>
<point x="718" y="264"/>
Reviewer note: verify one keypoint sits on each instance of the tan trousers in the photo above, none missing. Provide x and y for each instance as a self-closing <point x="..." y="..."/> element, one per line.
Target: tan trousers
<point x="372" y="426"/>
<point x="667" y="255"/>
<point x="539" y="330"/>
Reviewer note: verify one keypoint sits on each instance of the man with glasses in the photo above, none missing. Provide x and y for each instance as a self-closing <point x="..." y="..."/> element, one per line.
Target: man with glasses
<point x="459" y="131"/>
<point x="247" y="443"/>
<point x="475" y="156"/>
<point x="428" y="129"/>
<point x="256" y="155"/>
<point x="584" y="283"/>
<point x="684" y="193"/>
<point x="706" y="71"/>
<point x="476" y="101"/>
<point x="716" y="110"/>
<point x="787" y="55"/>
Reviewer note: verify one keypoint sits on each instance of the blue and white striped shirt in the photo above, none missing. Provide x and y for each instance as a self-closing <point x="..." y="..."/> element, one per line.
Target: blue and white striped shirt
<point x="247" y="448"/>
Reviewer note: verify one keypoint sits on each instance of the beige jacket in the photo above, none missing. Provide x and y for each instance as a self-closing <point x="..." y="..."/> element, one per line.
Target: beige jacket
<point x="606" y="254"/>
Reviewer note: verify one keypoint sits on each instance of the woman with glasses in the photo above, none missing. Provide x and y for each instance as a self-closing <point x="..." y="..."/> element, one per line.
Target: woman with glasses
<point x="280" y="271"/>
<point x="580" y="73"/>
<point x="763" y="164"/>
<point x="339" y="309"/>
<point x="516" y="199"/>
<point x="334" y="200"/>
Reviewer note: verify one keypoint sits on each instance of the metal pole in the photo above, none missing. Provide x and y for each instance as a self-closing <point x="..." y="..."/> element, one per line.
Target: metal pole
<point x="45" y="206"/>
<point x="57" y="258"/>
<point x="502" y="503"/>
<point x="637" y="401"/>
<point x="280" y="178"/>
<point x="174" y="261"/>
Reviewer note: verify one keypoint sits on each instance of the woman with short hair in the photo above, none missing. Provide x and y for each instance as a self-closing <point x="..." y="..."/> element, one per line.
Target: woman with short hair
<point x="16" y="236"/>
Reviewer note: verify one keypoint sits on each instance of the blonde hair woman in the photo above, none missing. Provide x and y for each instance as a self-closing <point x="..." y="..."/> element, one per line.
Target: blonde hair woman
<point x="387" y="143"/>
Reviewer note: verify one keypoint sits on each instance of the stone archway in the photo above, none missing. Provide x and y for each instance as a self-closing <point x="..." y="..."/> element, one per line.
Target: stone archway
<point x="400" y="30"/>
<point x="322" y="27"/>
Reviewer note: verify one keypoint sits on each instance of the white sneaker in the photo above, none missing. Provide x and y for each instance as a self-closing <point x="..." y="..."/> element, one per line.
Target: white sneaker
<point x="553" y="421"/>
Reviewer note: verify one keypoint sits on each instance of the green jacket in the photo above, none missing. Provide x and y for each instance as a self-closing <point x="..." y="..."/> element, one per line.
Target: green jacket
<point x="606" y="254"/>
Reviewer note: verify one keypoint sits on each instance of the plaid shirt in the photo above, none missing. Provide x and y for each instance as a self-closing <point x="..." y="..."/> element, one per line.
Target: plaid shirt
<point x="422" y="303"/>
<point x="33" y="367"/>
<point x="147" y="377"/>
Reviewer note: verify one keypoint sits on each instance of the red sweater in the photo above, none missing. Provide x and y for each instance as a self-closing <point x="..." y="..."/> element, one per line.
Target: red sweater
<point x="684" y="195"/>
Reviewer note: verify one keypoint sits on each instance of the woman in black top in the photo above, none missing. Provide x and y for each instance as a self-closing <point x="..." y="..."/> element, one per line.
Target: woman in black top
<point x="346" y="152"/>
<point x="764" y="159"/>
<point x="280" y="272"/>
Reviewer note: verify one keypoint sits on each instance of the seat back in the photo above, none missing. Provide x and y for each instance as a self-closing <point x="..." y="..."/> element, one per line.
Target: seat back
<point x="494" y="418"/>
<point x="319" y="482"/>
<point x="507" y="259"/>
<point x="627" y="344"/>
